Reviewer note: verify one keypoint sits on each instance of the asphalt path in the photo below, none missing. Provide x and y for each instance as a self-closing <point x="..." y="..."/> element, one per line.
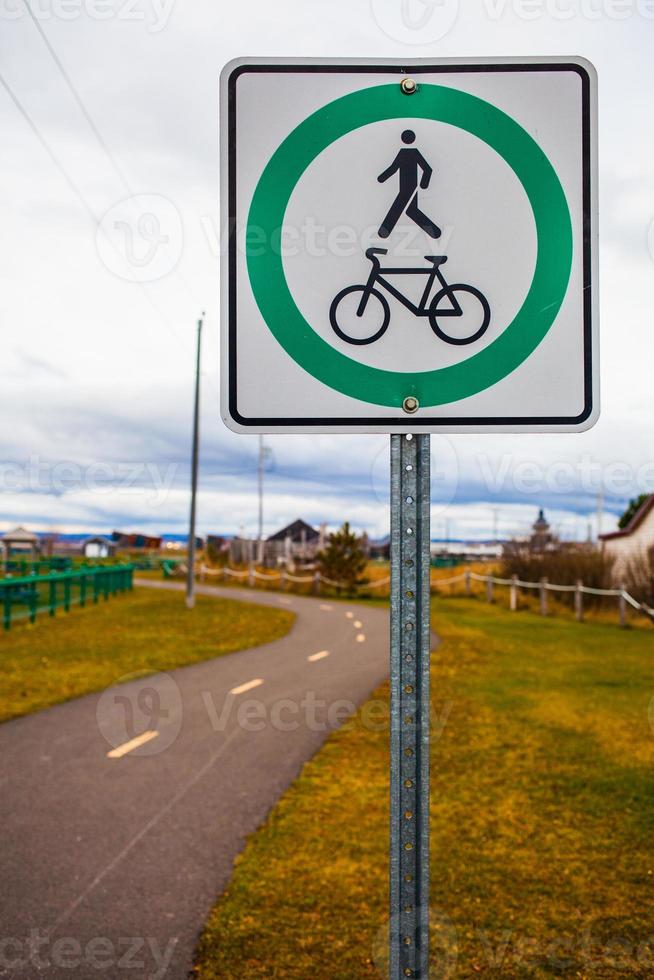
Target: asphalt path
<point x="121" y="813"/>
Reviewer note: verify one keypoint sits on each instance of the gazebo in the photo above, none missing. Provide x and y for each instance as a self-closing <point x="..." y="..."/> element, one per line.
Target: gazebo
<point x="20" y="542"/>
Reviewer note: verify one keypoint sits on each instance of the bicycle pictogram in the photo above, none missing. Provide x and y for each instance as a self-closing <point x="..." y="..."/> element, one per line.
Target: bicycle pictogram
<point x="361" y="314"/>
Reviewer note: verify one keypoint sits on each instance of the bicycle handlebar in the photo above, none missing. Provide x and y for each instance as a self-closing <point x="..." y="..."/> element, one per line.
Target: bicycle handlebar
<point x="372" y="252"/>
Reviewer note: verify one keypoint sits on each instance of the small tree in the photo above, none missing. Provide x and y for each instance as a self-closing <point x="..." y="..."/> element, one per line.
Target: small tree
<point x="344" y="559"/>
<point x="634" y="506"/>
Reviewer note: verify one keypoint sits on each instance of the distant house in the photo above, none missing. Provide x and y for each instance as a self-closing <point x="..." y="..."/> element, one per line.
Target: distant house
<point x="135" y="542"/>
<point x="634" y="542"/>
<point x="380" y="550"/>
<point x="98" y="547"/>
<point x="297" y="542"/>
<point x="298" y="533"/>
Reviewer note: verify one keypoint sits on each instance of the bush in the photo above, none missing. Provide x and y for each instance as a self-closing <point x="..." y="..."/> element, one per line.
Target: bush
<point x="564" y="566"/>
<point x="344" y="559"/>
<point x="639" y="578"/>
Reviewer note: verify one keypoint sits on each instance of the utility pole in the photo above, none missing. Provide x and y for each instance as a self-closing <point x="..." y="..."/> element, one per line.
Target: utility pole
<point x="600" y="511"/>
<point x="260" y="480"/>
<point x="190" y="578"/>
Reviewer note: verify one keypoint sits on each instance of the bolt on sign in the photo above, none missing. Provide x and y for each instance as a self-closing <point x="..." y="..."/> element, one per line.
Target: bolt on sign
<point x="409" y="246"/>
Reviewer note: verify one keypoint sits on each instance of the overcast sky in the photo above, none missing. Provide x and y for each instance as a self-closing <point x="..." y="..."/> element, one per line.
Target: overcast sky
<point x="97" y="370"/>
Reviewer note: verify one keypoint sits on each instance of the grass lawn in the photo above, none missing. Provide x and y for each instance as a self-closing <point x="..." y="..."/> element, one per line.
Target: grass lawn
<point x="542" y="820"/>
<point x="145" y="630"/>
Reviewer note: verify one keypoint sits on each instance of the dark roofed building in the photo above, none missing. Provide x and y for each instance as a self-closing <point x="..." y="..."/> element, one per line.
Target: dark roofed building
<point x="299" y="532"/>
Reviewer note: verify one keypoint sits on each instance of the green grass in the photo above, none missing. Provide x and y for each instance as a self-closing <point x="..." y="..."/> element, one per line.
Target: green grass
<point x="145" y="630"/>
<point x="542" y="820"/>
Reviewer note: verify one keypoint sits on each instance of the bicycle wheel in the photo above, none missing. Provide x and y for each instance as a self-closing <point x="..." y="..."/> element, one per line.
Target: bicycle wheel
<point x="352" y="327"/>
<point x="468" y="325"/>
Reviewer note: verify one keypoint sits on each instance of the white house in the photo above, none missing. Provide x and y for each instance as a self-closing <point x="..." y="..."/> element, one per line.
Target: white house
<point x="635" y="541"/>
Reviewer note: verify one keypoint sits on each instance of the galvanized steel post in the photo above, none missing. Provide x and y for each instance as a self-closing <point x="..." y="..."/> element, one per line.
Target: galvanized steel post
<point x="410" y="715"/>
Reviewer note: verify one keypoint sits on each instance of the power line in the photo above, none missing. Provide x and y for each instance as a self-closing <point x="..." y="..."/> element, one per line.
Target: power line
<point x="91" y="122"/>
<point x="48" y="149"/>
<point x="72" y="185"/>
<point x="78" y="99"/>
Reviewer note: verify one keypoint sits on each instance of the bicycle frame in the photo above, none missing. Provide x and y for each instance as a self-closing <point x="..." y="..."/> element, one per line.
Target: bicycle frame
<point x="377" y="277"/>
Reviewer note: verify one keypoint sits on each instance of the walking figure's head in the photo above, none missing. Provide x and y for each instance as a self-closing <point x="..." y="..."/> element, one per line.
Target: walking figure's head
<point x="408" y="136"/>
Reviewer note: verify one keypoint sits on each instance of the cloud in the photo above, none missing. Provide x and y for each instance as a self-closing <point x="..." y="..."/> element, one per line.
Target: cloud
<point x="98" y="370"/>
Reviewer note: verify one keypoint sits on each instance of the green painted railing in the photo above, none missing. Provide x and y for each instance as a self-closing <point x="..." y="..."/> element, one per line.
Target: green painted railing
<point x="26" y="596"/>
<point x="35" y="566"/>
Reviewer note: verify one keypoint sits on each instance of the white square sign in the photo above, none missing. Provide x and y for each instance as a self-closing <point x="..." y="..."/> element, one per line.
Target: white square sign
<point x="409" y="246"/>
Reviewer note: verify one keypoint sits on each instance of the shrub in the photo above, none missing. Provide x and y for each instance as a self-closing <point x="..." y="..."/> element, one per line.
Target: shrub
<point x="344" y="559"/>
<point x="639" y="577"/>
<point x="563" y="566"/>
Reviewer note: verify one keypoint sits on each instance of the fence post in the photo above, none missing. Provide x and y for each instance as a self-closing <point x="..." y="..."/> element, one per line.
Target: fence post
<point x="282" y="580"/>
<point x="622" y="603"/>
<point x="514" y="593"/>
<point x="467" y="581"/>
<point x="579" y="602"/>
<point x="82" y="590"/>
<point x="316" y="583"/>
<point x="67" y="595"/>
<point x="543" y="597"/>
<point x="34" y="604"/>
<point x="7" y="607"/>
<point x="489" y="589"/>
<point x="251" y="575"/>
<point x="52" y="598"/>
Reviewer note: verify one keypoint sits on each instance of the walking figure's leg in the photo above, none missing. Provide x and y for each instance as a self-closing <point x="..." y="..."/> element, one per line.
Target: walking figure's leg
<point x="394" y="215"/>
<point x="421" y="219"/>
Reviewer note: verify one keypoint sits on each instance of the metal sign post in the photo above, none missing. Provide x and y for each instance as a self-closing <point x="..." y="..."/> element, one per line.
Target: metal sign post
<point x="410" y="649"/>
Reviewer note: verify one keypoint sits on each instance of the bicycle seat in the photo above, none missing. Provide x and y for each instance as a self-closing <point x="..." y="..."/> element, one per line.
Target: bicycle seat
<point x="371" y="252"/>
<point x="436" y="259"/>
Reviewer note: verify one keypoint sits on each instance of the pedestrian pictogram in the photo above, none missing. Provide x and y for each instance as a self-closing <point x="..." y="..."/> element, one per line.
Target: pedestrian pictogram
<point x="408" y="163"/>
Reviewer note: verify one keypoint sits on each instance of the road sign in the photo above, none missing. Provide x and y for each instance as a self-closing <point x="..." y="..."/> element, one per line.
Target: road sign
<point x="410" y="246"/>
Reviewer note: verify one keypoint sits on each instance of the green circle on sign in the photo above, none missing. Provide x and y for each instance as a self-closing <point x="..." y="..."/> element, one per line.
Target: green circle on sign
<point x="521" y="336"/>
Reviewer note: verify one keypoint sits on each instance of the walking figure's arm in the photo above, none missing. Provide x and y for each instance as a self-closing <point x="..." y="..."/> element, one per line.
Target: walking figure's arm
<point x="426" y="172"/>
<point x="390" y="171"/>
